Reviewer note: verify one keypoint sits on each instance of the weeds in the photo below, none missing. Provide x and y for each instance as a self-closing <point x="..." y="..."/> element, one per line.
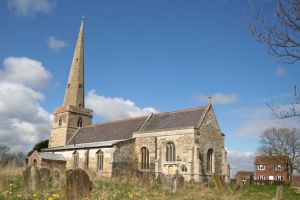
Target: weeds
<point x="127" y="188"/>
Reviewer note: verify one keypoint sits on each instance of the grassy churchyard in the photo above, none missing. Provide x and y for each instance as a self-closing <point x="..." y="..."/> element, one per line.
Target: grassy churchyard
<point x="12" y="188"/>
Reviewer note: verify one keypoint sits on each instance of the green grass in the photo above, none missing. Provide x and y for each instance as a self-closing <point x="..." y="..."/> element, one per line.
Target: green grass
<point x="11" y="188"/>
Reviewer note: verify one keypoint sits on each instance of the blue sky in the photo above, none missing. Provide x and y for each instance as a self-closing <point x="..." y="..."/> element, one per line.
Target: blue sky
<point x="140" y="56"/>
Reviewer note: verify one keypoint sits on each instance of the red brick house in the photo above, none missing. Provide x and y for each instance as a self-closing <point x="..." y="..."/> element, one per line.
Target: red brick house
<point x="271" y="169"/>
<point x="244" y="177"/>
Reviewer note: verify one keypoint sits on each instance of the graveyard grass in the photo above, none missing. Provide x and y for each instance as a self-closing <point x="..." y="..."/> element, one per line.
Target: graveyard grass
<point x="11" y="187"/>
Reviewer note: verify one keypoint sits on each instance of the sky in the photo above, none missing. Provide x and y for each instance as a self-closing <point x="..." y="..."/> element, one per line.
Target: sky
<point x="141" y="57"/>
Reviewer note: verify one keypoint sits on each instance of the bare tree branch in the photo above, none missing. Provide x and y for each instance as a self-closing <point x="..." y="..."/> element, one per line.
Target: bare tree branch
<point x="281" y="35"/>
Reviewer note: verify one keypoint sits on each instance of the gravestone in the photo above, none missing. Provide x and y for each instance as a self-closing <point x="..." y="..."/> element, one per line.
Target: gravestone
<point x="171" y="183"/>
<point x="279" y="193"/>
<point x="218" y="182"/>
<point x="32" y="178"/>
<point x="78" y="184"/>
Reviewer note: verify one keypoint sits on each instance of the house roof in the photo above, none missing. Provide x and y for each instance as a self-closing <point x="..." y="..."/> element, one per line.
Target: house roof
<point x="244" y="173"/>
<point x="176" y="119"/>
<point x="271" y="159"/>
<point x="52" y="156"/>
<point x="124" y="129"/>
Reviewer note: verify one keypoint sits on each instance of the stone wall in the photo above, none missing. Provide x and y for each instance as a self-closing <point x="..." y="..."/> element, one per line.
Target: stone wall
<point x="209" y="136"/>
<point x="123" y="158"/>
<point x="156" y="144"/>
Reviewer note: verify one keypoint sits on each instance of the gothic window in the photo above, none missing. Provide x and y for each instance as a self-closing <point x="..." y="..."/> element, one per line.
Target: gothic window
<point x="75" y="159"/>
<point x="144" y="158"/>
<point x="79" y="122"/>
<point x="80" y="86"/>
<point x="170" y="152"/>
<point x="60" y="121"/>
<point x="183" y="168"/>
<point x="210" y="162"/>
<point x="100" y="159"/>
<point x="68" y="85"/>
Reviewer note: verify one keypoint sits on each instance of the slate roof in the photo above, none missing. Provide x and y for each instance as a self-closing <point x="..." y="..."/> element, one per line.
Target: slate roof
<point x="174" y="120"/>
<point x="51" y="156"/>
<point x="115" y="130"/>
<point x="124" y="129"/>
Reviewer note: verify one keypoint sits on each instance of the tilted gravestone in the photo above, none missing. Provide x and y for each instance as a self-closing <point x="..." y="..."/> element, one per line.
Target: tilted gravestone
<point x="32" y="178"/>
<point x="218" y="182"/>
<point x="78" y="184"/>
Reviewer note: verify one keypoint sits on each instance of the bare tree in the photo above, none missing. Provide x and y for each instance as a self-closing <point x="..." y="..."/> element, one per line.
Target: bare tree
<point x="280" y="34"/>
<point x="292" y="111"/>
<point x="7" y="157"/>
<point x="283" y="142"/>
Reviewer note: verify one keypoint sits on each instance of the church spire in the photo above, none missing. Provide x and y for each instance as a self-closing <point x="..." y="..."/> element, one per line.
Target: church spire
<point x="74" y="95"/>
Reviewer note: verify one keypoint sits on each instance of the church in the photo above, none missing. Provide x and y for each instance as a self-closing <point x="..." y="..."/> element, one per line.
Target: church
<point x="188" y="142"/>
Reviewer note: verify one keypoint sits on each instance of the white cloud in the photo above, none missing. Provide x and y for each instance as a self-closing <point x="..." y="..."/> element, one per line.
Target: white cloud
<point x="23" y="122"/>
<point x="114" y="108"/>
<point x="257" y="119"/>
<point x="24" y="70"/>
<point x="219" y="98"/>
<point x="239" y="160"/>
<point x="279" y="72"/>
<point x="29" y="8"/>
<point x="56" y="44"/>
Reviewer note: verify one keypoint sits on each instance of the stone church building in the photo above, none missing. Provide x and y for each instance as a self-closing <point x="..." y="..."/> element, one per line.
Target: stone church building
<point x="188" y="142"/>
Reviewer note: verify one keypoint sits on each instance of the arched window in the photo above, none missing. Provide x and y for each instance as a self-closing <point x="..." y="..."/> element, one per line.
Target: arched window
<point x="183" y="168"/>
<point x="144" y="158"/>
<point x="60" y="121"/>
<point x="170" y="152"/>
<point x="100" y="159"/>
<point x="210" y="160"/>
<point x="75" y="159"/>
<point x="79" y="122"/>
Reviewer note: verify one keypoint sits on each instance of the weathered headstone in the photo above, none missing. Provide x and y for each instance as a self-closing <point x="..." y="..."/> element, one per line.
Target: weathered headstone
<point x="78" y="184"/>
<point x="32" y="178"/>
<point x="279" y="193"/>
<point x="218" y="182"/>
<point x="171" y="182"/>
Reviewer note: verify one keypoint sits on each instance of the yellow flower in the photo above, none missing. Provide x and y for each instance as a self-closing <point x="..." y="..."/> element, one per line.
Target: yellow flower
<point x="55" y="196"/>
<point x="50" y="198"/>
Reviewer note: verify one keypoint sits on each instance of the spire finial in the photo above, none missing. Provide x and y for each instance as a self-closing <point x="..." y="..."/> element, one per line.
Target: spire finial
<point x="82" y="18"/>
<point x="209" y="100"/>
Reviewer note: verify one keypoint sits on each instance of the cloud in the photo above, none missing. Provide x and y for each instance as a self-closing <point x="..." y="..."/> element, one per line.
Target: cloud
<point x="24" y="70"/>
<point x="257" y="119"/>
<point x="239" y="160"/>
<point x="280" y="72"/>
<point x="29" y="8"/>
<point x="219" y="98"/>
<point x="56" y="44"/>
<point x="23" y="122"/>
<point x="115" y="108"/>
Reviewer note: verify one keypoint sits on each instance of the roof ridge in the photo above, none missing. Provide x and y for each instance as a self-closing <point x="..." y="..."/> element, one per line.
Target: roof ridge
<point x="115" y="121"/>
<point x="182" y="110"/>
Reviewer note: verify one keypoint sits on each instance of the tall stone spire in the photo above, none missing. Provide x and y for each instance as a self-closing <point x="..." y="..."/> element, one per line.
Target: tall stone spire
<point x="74" y="95"/>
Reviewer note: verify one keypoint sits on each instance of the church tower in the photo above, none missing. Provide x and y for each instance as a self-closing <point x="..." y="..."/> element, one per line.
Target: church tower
<point x="73" y="114"/>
